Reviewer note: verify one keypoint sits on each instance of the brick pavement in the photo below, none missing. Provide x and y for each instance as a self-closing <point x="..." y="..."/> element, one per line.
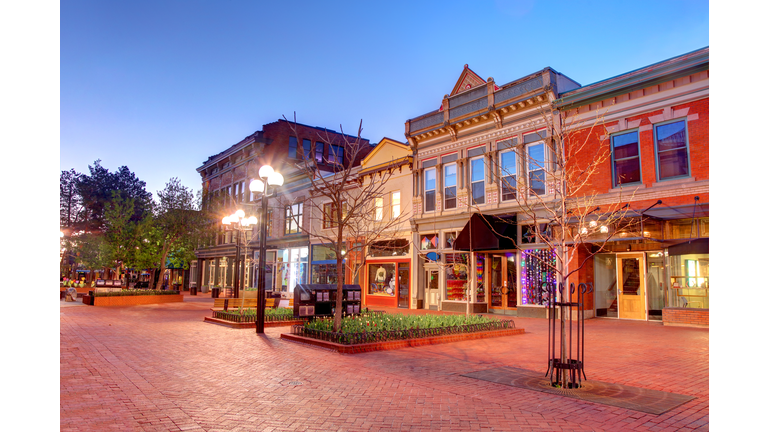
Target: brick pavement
<point x="160" y="367"/>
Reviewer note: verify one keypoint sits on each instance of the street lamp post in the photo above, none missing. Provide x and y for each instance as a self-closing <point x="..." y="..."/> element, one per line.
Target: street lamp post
<point x="238" y="222"/>
<point x="267" y="177"/>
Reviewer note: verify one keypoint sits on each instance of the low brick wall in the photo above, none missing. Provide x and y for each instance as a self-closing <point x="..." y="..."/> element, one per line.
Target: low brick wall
<point x="396" y="344"/>
<point x="687" y="317"/>
<point x="137" y="300"/>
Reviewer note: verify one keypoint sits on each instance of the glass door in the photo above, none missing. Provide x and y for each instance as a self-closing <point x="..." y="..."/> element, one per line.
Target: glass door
<point x="503" y="281"/>
<point x="631" y="278"/>
<point x="431" y="283"/>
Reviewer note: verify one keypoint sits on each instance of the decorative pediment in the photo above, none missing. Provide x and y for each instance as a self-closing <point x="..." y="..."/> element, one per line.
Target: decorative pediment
<point x="467" y="80"/>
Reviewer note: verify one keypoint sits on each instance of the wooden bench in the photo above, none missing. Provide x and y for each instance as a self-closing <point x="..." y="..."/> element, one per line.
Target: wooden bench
<point x="249" y="303"/>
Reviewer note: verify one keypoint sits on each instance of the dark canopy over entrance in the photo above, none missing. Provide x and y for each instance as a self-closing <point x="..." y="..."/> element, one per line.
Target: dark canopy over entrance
<point x="486" y="232"/>
<point x="695" y="246"/>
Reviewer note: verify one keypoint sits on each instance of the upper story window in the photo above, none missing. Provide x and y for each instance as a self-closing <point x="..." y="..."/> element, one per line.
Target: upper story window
<point x="293" y="144"/>
<point x="378" y="209"/>
<point x="477" y="176"/>
<point x="429" y="241"/>
<point x="336" y="155"/>
<point x="672" y="150"/>
<point x="293" y="218"/>
<point x="430" y="183"/>
<point x="537" y="176"/>
<point x="329" y="214"/>
<point x="449" y="185"/>
<point x="307" y="147"/>
<point x="625" y="152"/>
<point x="395" y="204"/>
<point x="319" y="147"/>
<point x="508" y="174"/>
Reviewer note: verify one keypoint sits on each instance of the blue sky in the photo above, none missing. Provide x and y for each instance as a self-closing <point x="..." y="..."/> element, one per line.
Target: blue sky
<point x="159" y="86"/>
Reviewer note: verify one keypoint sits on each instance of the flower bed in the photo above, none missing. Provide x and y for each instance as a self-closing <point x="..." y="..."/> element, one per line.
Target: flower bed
<point x="384" y="328"/>
<point x="249" y="315"/>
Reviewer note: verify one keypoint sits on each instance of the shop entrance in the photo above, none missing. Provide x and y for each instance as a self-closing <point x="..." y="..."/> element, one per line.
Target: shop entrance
<point x="503" y="281"/>
<point x="430" y="281"/>
<point x="631" y="278"/>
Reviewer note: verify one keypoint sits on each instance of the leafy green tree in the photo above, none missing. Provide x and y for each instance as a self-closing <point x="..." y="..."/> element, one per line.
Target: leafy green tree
<point x="179" y="225"/>
<point x="125" y="236"/>
<point x="71" y="211"/>
<point x="92" y="251"/>
<point x="96" y="191"/>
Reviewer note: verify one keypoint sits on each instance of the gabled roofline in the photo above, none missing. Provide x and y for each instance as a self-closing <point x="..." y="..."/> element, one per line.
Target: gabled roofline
<point x="379" y="146"/>
<point x="665" y="70"/>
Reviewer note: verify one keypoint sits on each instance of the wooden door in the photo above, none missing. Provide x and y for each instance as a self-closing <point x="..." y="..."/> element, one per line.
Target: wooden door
<point x="631" y="281"/>
<point x="503" y="281"/>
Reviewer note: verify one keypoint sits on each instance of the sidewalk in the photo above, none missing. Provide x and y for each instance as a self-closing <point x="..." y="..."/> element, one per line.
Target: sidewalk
<point x="160" y="367"/>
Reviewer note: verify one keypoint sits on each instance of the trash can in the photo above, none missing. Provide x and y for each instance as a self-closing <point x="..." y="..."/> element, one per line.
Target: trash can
<point x="215" y="292"/>
<point x="193" y="290"/>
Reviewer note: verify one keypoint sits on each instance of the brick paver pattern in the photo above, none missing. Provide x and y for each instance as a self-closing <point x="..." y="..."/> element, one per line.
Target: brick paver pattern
<point x="161" y="368"/>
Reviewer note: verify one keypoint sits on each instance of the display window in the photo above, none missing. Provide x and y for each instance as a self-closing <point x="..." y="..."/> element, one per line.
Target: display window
<point x="689" y="281"/>
<point x="537" y="268"/>
<point x="456" y="276"/>
<point x="292" y="266"/>
<point x="383" y="279"/>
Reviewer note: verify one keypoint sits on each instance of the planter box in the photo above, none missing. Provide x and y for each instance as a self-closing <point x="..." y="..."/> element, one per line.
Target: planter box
<point x="397" y="344"/>
<point x="137" y="300"/>
<point x="249" y="294"/>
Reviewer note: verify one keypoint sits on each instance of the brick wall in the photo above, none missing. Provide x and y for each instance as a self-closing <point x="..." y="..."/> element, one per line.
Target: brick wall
<point x="688" y="317"/>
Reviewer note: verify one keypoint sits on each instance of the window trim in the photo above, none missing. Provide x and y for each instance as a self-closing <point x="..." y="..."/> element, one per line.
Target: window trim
<point x="290" y="216"/>
<point x="613" y="159"/>
<point x="543" y="166"/>
<point x="455" y="186"/>
<point x="392" y="204"/>
<point x="684" y="120"/>
<point x="295" y="141"/>
<point x="472" y="183"/>
<point x="502" y="174"/>
<point x="433" y="190"/>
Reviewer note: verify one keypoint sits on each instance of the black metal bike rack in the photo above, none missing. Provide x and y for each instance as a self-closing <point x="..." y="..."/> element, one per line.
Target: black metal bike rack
<point x="555" y="362"/>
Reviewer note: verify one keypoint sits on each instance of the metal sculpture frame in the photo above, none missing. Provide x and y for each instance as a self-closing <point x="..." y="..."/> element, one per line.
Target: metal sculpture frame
<point x="557" y="360"/>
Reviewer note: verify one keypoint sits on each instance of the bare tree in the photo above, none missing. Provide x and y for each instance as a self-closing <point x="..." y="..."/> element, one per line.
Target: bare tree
<point x="341" y="205"/>
<point x="557" y="204"/>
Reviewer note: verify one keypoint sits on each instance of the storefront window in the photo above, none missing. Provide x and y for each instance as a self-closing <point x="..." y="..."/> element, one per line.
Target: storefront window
<point x="688" y="228"/>
<point x="456" y="276"/>
<point x="450" y="237"/>
<point x="481" y="277"/>
<point x="605" y="286"/>
<point x="537" y="269"/>
<point x="383" y="280"/>
<point x="429" y="241"/>
<point x="292" y="265"/>
<point x="689" y="281"/>
<point x="397" y="247"/>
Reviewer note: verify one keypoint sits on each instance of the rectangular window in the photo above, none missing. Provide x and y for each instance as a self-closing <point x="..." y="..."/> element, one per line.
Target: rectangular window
<point x="478" y="180"/>
<point x="269" y="223"/>
<point x="307" y="147"/>
<point x="395" y="204"/>
<point x="293" y="218"/>
<point x="430" y="183"/>
<point x="449" y="184"/>
<point x="336" y="155"/>
<point x="672" y="150"/>
<point x="537" y="177"/>
<point x="626" y="158"/>
<point x="508" y="174"/>
<point x="378" y="209"/>
<point x="319" y="147"/>
<point x="429" y="241"/>
<point x="293" y="144"/>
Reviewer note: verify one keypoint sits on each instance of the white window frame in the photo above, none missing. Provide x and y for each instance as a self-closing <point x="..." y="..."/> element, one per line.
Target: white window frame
<point x="472" y="183"/>
<point x="395" y="204"/>
<point x="542" y="167"/>
<point x="378" y="209"/>
<point x="433" y="190"/>
<point x="504" y="173"/>
<point x="455" y="186"/>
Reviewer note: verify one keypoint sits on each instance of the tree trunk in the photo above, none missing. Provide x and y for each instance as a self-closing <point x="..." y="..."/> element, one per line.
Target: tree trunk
<point x="159" y="284"/>
<point x="339" y="292"/>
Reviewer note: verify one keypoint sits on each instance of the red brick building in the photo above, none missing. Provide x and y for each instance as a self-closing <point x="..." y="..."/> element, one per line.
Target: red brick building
<point x="654" y="125"/>
<point x="226" y="176"/>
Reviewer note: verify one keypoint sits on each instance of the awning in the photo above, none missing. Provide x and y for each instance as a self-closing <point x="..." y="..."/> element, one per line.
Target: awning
<point x="693" y="246"/>
<point x="487" y="232"/>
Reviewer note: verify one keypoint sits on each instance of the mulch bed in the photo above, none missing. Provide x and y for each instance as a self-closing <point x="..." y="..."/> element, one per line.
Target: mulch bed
<point x="251" y="325"/>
